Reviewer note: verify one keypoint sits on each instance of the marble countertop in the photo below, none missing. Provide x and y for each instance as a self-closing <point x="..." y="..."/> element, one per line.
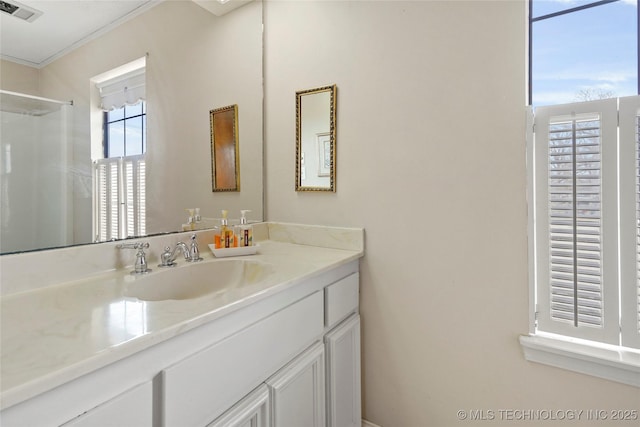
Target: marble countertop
<point x="55" y="334"/>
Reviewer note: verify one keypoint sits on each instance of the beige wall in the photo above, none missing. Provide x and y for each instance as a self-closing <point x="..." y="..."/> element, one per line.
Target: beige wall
<point x="19" y="78"/>
<point x="431" y="162"/>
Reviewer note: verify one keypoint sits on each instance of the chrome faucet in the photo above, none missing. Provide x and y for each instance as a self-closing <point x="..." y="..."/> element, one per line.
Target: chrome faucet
<point x="191" y="253"/>
<point x="141" y="258"/>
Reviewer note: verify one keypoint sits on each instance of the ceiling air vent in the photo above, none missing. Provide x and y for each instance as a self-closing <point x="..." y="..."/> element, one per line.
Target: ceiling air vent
<point x="19" y="10"/>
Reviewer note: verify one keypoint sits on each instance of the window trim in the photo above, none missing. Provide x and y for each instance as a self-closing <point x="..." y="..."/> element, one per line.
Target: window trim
<point x="611" y="363"/>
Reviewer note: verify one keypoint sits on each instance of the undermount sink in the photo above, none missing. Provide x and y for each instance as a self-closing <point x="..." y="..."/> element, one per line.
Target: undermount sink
<point x="196" y="280"/>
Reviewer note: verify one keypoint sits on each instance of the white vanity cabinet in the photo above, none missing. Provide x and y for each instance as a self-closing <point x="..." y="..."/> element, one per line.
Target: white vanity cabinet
<point x="289" y="359"/>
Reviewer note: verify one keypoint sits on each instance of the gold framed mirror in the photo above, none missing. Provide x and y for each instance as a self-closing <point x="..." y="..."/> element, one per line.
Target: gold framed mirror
<point x="225" y="154"/>
<point x="316" y="139"/>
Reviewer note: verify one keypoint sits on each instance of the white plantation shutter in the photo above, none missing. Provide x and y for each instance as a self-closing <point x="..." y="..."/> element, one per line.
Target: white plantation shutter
<point x="630" y="220"/>
<point x="576" y="220"/>
<point x="106" y="201"/>
<point x="120" y="197"/>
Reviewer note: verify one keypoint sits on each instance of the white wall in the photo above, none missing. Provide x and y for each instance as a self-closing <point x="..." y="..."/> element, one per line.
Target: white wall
<point x="431" y="162"/>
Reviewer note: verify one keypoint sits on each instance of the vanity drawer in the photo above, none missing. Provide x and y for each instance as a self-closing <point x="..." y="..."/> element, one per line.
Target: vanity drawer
<point x="341" y="299"/>
<point x="201" y="387"/>
<point x="131" y="408"/>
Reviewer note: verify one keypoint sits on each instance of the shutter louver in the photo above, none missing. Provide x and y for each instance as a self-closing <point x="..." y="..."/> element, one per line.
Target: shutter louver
<point x="574" y="216"/>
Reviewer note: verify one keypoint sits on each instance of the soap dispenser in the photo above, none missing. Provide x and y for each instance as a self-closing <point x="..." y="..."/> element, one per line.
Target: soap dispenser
<point x="244" y="231"/>
<point x="189" y="225"/>
<point x="225" y="238"/>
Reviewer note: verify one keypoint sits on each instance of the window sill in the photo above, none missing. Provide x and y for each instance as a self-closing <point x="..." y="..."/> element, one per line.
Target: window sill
<point x="615" y="363"/>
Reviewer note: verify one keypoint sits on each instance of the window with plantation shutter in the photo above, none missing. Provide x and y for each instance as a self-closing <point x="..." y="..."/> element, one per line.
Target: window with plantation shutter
<point x="576" y="235"/>
<point x="583" y="162"/>
<point x="120" y="197"/>
<point x="119" y="178"/>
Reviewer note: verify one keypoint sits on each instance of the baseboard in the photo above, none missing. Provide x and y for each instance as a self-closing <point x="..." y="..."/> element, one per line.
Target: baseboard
<point x="366" y="423"/>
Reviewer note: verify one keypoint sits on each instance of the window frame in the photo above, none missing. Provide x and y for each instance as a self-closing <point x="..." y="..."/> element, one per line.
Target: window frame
<point x="531" y="20"/>
<point x="106" y="123"/>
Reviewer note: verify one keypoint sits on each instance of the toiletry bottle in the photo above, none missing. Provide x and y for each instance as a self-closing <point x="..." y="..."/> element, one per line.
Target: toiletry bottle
<point x="191" y="219"/>
<point x="244" y="231"/>
<point x="188" y="226"/>
<point x="229" y="240"/>
<point x="223" y="227"/>
<point x="226" y="239"/>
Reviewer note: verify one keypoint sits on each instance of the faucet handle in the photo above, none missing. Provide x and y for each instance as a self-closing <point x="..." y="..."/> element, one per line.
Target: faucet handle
<point x="136" y="245"/>
<point x="166" y="258"/>
<point x="141" y="259"/>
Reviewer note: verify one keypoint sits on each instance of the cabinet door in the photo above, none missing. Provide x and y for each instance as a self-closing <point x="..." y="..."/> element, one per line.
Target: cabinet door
<point x="297" y="391"/>
<point x="252" y="411"/>
<point x="203" y="386"/>
<point x="343" y="374"/>
<point x="131" y="408"/>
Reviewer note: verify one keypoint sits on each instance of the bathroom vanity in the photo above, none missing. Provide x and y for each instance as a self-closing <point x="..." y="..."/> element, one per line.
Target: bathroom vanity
<point x="273" y="340"/>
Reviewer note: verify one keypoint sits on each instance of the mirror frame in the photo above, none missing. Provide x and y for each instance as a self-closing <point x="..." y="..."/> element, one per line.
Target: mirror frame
<point x="332" y="89"/>
<point x="223" y="129"/>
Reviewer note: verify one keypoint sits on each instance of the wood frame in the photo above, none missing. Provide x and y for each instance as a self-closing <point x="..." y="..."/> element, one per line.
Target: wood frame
<point x="225" y="151"/>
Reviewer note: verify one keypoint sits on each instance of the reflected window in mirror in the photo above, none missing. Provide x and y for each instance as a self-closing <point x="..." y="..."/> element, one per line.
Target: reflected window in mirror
<point x="125" y="130"/>
<point x="316" y="139"/>
<point x="120" y="182"/>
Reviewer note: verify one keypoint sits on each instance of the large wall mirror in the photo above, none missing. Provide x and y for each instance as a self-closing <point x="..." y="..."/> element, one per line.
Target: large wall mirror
<point x="198" y="55"/>
<point x="316" y="139"/>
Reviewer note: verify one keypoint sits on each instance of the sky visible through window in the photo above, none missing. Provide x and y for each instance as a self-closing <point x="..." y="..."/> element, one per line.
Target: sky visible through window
<point x="126" y="130"/>
<point x="588" y="54"/>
